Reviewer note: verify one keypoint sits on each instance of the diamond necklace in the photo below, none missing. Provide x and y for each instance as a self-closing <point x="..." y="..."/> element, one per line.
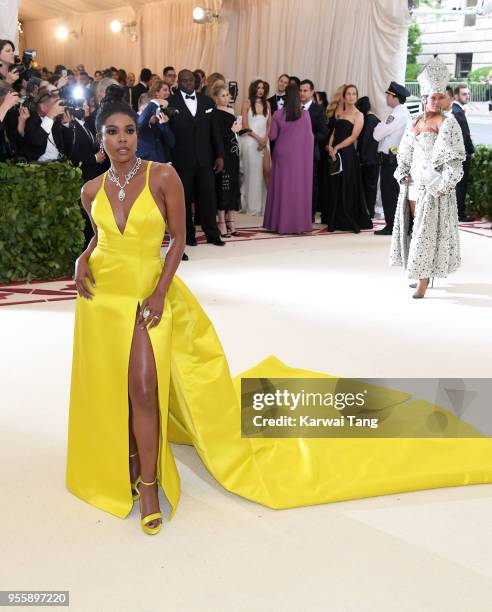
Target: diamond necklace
<point x="115" y="179"/>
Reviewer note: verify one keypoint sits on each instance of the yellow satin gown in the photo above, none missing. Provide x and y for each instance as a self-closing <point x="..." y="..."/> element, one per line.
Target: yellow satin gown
<point x="199" y="401"/>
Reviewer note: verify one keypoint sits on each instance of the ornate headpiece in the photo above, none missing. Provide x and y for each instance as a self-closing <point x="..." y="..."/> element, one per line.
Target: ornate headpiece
<point x="433" y="78"/>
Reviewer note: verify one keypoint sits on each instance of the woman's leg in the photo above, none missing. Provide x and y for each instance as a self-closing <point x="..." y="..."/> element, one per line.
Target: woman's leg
<point x="132" y="445"/>
<point x="142" y="388"/>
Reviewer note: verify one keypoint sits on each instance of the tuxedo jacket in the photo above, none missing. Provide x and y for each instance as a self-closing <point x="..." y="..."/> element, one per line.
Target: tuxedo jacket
<point x="137" y="91"/>
<point x="273" y="103"/>
<point x="80" y="148"/>
<point x="36" y="139"/>
<point x="198" y="140"/>
<point x="459" y="115"/>
<point x="320" y="128"/>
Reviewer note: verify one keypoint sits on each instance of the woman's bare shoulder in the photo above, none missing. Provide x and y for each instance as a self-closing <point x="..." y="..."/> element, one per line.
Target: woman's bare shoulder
<point x="162" y="174"/>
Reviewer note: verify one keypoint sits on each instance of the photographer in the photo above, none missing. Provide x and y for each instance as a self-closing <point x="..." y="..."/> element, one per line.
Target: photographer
<point x="8" y="100"/>
<point x="81" y="147"/>
<point x="43" y="137"/>
<point x="7" y="60"/>
<point x="155" y="137"/>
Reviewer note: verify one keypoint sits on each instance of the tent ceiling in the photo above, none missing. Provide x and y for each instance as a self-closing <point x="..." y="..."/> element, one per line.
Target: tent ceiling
<point x="49" y="9"/>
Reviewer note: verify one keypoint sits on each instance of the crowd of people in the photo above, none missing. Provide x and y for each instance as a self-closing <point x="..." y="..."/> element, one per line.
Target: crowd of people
<point x="287" y="156"/>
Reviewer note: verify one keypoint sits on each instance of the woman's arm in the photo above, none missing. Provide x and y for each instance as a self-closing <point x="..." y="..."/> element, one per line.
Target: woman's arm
<point x="82" y="269"/>
<point x="274" y="129"/>
<point x="447" y="158"/>
<point x="166" y="185"/>
<point x="356" y="130"/>
<point x="244" y="115"/>
<point x="166" y="133"/>
<point x="404" y="156"/>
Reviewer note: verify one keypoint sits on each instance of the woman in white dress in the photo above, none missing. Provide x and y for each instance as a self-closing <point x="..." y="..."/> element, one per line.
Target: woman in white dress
<point x="255" y="148"/>
<point x="430" y="164"/>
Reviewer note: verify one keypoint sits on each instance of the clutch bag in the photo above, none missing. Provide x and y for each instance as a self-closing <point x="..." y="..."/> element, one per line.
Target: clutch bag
<point x="335" y="166"/>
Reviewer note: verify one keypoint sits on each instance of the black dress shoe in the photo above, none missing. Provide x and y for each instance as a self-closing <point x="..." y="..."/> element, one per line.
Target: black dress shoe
<point x="191" y="242"/>
<point x="185" y="257"/>
<point x="386" y="231"/>
<point x="465" y="219"/>
<point x="216" y="242"/>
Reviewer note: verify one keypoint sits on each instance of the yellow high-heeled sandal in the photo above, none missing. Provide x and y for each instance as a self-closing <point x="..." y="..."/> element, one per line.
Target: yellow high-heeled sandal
<point x="135" y="493"/>
<point x="150" y="517"/>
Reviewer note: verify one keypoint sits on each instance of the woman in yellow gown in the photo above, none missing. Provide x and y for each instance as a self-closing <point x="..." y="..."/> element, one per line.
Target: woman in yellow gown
<point x="148" y="369"/>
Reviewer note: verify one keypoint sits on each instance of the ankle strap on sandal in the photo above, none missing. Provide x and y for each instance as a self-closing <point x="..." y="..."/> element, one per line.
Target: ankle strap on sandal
<point x="149" y="483"/>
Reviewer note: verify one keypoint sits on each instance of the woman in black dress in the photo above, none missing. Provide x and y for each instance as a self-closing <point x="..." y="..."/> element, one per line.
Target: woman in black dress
<point x="227" y="181"/>
<point x="346" y="208"/>
<point x="367" y="148"/>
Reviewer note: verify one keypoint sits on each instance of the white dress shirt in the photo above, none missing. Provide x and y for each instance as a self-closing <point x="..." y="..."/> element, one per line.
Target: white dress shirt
<point x="51" y="152"/>
<point x="389" y="133"/>
<point x="190" y="103"/>
<point x="280" y="100"/>
<point x="307" y="105"/>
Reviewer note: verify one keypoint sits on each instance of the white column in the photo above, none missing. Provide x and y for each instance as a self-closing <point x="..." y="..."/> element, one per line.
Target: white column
<point x="9" y="11"/>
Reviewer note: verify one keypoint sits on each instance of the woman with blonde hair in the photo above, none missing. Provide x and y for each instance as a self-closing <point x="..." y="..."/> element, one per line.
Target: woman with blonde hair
<point x="334" y="108"/>
<point x="227" y="181"/>
<point x="214" y="79"/>
<point x="159" y="90"/>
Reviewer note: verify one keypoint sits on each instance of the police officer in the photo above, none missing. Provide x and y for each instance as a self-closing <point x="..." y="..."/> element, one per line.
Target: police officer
<point x="388" y="135"/>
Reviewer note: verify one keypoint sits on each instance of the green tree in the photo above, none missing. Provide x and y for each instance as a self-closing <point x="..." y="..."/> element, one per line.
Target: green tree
<point x="414" y="46"/>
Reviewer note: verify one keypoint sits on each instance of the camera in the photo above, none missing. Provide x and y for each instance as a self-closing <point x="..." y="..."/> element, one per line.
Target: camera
<point x="169" y="111"/>
<point x="29" y="103"/>
<point x="23" y="67"/>
<point x="73" y="99"/>
<point x="233" y="90"/>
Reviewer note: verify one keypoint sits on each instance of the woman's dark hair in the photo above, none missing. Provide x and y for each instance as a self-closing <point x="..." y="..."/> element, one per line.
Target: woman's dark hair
<point x="363" y="104"/>
<point x="122" y="77"/>
<point x="112" y="103"/>
<point x="252" y="95"/>
<point x="323" y="99"/>
<point x="296" y="80"/>
<point x="292" y="105"/>
<point x="4" y="43"/>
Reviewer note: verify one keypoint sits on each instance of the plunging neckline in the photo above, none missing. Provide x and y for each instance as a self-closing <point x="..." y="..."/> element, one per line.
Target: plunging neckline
<point x="146" y="184"/>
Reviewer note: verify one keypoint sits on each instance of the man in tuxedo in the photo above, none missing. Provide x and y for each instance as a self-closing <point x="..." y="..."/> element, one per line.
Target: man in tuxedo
<point x="461" y="97"/>
<point x="169" y="77"/>
<point x="198" y="152"/>
<point x="82" y="150"/>
<point x="320" y="130"/>
<point x="43" y="135"/>
<point x="142" y="87"/>
<point x="278" y="99"/>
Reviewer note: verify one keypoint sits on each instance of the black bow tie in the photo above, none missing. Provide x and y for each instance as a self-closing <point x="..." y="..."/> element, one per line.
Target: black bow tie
<point x="280" y="96"/>
<point x="187" y="97"/>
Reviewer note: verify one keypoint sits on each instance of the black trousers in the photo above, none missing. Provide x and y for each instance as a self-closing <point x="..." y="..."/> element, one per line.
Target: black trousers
<point x="370" y="175"/>
<point x="200" y="180"/>
<point x="461" y="188"/>
<point x="390" y="189"/>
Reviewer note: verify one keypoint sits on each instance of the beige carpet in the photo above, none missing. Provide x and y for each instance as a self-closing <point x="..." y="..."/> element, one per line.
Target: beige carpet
<point x="328" y="303"/>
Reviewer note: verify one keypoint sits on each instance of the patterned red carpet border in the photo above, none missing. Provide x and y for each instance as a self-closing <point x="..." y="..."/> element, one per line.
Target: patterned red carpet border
<point x="14" y="294"/>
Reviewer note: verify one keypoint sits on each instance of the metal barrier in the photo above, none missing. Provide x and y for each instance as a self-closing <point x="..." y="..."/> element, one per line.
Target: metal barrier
<point x="479" y="92"/>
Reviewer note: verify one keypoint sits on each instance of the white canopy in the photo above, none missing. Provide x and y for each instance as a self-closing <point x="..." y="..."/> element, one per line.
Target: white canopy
<point x="329" y="41"/>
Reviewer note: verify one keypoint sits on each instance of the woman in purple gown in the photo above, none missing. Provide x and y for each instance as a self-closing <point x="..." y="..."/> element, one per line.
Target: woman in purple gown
<point x="289" y="198"/>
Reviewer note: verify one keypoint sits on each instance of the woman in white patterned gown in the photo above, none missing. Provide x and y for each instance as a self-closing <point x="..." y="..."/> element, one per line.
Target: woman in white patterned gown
<point x="430" y="164"/>
<point x="255" y="149"/>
